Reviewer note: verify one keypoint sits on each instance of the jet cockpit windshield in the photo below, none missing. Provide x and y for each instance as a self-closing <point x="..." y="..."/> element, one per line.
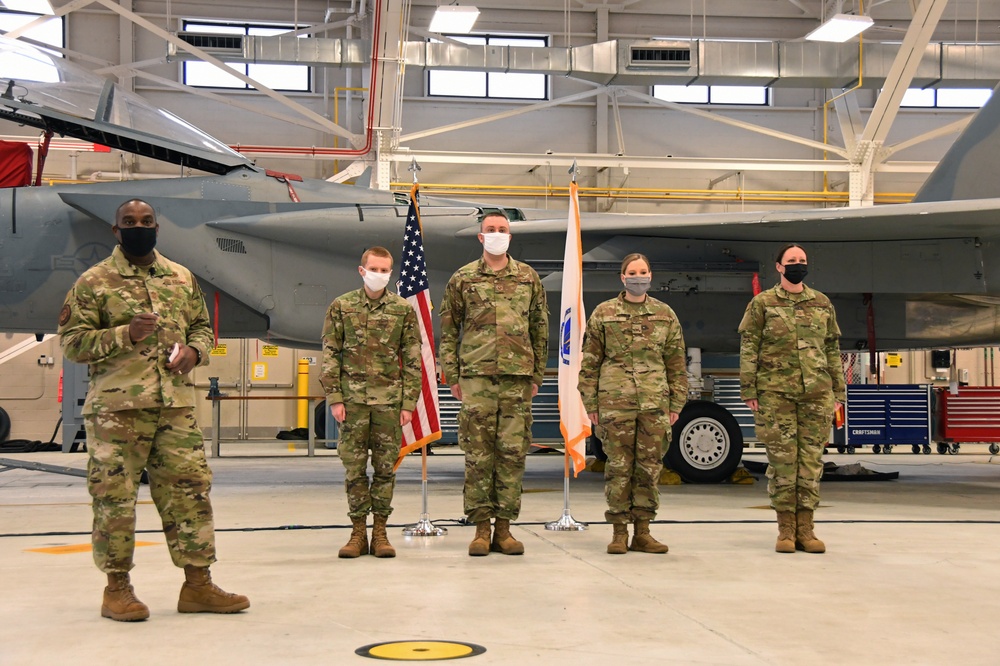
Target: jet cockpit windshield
<point x="43" y="90"/>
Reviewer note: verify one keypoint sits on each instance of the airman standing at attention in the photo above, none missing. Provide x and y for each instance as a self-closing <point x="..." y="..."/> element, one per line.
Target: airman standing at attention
<point x="633" y="381"/>
<point x="141" y="323"/>
<point x="371" y="375"/>
<point x="792" y="379"/>
<point x="494" y="345"/>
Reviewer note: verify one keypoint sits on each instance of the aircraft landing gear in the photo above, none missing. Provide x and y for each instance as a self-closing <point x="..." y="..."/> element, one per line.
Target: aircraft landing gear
<point x="707" y="443"/>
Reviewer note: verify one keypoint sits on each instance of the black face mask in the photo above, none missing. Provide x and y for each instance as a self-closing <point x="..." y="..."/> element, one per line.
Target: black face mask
<point x="137" y="241"/>
<point x="796" y="273"/>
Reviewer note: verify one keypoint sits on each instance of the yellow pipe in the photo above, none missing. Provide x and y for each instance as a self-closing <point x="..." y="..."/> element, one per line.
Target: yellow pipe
<point x="651" y="194"/>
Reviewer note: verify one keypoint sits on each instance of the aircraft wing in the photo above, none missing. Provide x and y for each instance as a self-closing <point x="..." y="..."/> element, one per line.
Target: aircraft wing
<point x="914" y="221"/>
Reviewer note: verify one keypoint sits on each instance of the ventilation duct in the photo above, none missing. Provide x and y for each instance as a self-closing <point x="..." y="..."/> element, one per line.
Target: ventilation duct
<point x="213" y="44"/>
<point x="273" y="49"/>
<point x="659" y="55"/>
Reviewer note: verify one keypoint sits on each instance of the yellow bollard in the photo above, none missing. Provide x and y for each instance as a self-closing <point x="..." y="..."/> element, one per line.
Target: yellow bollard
<point x="302" y="390"/>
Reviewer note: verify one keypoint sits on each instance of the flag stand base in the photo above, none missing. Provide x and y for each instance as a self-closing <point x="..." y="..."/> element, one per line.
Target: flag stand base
<point x="566" y="524"/>
<point x="424" y="527"/>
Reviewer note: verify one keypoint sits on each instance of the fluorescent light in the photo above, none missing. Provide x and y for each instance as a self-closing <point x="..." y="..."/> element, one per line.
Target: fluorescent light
<point x="840" y="28"/>
<point x="454" y="18"/>
<point x="33" y="6"/>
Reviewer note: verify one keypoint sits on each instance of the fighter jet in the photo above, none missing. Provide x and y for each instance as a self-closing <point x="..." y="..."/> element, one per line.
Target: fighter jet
<point x="272" y="250"/>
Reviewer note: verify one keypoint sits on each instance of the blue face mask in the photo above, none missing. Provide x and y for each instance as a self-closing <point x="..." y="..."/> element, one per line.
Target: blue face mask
<point x="796" y="273"/>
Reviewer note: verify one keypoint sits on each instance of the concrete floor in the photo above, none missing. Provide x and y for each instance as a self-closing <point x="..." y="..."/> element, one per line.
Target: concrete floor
<point x="910" y="576"/>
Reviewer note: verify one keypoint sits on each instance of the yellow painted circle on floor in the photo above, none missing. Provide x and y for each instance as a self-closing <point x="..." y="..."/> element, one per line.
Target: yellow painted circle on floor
<point x="420" y="650"/>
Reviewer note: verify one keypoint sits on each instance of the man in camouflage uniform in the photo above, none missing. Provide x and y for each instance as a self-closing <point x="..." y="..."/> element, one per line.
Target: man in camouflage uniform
<point x="371" y="375"/>
<point x="141" y="323"/>
<point x="494" y="344"/>
<point x="791" y="377"/>
<point x="633" y="381"/>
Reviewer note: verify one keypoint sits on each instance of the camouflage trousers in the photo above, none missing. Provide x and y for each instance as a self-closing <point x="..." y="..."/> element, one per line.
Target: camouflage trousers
<point x="168" y="444"/>
<point x="635" y="442"/>
<point x="794" y="430"/>
<point x="375" y="428"/>
<point x="494" y="432"/>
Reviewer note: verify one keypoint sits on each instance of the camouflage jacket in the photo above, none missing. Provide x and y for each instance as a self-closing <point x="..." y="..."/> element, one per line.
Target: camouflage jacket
<point x="502" y="319"/>
<point x="93" y="328"/>
<point x="371" y="351"/>
<point x="790" y="343"/>
<point x="633" y="357"/>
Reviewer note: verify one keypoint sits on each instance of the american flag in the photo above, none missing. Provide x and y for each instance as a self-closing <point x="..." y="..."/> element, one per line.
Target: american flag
<point x="413" y="286"/>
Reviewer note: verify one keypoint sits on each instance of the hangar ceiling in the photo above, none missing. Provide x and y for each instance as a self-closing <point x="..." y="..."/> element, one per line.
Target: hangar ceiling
<point x="910" y="44"/>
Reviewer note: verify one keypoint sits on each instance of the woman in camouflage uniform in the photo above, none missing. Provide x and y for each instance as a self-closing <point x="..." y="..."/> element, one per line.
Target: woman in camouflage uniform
<point x="633" y="382"/>
<point x="792" y="379"/>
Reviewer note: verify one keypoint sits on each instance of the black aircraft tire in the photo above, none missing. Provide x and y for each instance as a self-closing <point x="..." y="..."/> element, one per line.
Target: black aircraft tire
<point x="596" y="448"/>
<point x="4" y="425"/>
<point x="319" y="420"/>
<point x="707" y="444"/>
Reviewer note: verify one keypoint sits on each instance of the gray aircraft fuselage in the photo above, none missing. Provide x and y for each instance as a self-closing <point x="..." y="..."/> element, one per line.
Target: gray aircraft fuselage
<point x="277" y="264"/>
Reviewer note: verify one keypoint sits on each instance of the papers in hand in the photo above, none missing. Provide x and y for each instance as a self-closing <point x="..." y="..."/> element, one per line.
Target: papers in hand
<point x="175" y="352"/>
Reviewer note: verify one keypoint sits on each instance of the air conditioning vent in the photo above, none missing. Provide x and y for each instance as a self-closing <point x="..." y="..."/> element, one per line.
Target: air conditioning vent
<point x="213" y="43"/>
<point x="233" y="245"/>
<point x="647" y="57"/>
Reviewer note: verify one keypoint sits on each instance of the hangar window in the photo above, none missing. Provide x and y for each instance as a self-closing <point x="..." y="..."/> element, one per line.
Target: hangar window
<point x="749" y="95"/>
<point x="489" y="85"/>
<point x="294" y="78"/>
<point x="50" y="32"/>
<point x="946" y="98"/>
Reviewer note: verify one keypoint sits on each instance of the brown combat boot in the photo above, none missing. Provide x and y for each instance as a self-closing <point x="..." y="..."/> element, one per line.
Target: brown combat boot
<point x="357" y="545"/>
<point x="503" y="541"/>
<point x="119" y="600"/>
<point x="786" y="532"/>
<point x="805" y="538"/>
<point x="619" y="542"/>
<point x="481" y="542"/>
<point x="643" y="541"/>
<point x="200" y="595"/>
<point x="380" y="540"/>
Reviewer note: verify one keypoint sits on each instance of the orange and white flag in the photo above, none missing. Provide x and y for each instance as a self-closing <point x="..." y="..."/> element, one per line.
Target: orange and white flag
<point x="573" y="421"/>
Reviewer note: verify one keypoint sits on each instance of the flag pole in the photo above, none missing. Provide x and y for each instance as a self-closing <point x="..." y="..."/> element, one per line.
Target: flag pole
<point x="566" y="522"/>
<point x="423" y="527"/>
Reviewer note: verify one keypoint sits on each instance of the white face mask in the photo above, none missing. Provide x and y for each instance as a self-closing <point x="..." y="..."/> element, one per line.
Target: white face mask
<point x="496" y="243"/>
<point x="375" y="281"/>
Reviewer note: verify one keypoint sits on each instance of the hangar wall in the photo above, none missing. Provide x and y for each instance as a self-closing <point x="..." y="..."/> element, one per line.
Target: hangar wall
<point x="29" y="390"/>
<point x="571" y="128"/>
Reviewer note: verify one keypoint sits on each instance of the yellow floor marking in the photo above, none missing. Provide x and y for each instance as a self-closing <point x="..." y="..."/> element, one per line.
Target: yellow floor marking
<point x="76" y="548"/>
<point x="420" y="650"/>
<point x="541" y="490"/>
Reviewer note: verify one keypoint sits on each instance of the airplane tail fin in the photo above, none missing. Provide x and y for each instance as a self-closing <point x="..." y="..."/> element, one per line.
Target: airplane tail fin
<point x="969" y="168"/>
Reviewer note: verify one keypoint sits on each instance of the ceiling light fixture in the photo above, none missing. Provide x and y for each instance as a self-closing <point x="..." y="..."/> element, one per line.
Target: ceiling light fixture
<point x="32" y="6"/>
<point x="454" y="19"/>
<point x="840" y="28"/>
